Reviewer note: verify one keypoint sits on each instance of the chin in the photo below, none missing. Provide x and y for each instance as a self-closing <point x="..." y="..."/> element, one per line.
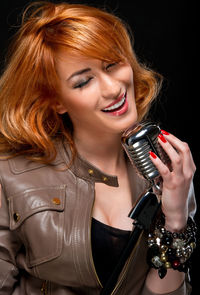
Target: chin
<point x="129" y="123"/>
<point x="126" y="126"/>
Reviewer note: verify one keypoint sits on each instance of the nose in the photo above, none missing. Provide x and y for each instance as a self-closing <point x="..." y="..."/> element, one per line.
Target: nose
<point x="110" y="87"/>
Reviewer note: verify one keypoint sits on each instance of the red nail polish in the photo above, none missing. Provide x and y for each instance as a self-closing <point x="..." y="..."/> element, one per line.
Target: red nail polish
<point x="162" y="138"/>
<point x="152" y="155"/>
<point x="165" y="132"/>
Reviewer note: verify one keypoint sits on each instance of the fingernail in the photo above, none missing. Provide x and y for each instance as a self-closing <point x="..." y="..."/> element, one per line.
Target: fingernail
<point x="165" y="132"/>
<point x="162" y="138"/>
<point x="152" y="155"/>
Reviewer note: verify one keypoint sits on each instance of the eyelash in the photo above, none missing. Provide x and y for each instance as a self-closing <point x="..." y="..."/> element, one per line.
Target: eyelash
<point x="82" y="84"/>
<point x="111" y="65"/>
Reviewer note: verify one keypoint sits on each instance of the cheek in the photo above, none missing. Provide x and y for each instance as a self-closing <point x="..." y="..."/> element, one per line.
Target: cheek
<point x="130" y="82"/>
<point x="77" y="99"/>
<point x="76" y="103"/>
<point x="67" y="98"/>
<point x="127" y="76"/>
<point x="130" y="77"/>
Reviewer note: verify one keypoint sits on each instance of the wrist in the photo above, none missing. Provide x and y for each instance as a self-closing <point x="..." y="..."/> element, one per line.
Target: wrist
<point x="176" y="222"/>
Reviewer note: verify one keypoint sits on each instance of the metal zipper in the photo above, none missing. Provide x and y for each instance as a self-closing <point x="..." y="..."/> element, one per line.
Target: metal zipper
<point x="126" y="267"/>
<point x="95" y="272"/>
<point x="91" y="257"/>
<point x="44" y="288"/>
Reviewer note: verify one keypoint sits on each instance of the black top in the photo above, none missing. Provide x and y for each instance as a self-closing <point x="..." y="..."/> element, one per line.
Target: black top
<point x="107" y="245"/>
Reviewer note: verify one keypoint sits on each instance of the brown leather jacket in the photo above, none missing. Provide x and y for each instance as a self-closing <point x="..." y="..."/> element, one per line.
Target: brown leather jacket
<point x="45" y="222"/>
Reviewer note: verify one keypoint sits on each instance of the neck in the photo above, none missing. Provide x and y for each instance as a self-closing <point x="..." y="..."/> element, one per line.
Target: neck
<point x="105" y="152"/>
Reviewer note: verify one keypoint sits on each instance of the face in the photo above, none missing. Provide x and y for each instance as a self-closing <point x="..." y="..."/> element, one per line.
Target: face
<point x="98" y="96"/>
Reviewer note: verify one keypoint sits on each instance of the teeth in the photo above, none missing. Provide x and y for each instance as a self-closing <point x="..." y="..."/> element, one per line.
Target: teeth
<point x="115" y="106"/>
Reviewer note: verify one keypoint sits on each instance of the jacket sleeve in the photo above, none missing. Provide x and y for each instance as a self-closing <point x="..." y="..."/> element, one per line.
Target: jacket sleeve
<point x="9" y="246"/>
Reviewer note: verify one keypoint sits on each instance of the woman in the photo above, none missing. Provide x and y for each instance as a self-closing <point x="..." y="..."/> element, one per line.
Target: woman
<point x="71" y="87"/>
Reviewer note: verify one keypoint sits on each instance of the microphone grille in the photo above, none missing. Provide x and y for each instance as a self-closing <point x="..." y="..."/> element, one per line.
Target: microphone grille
<point x="138" y="142"/>
<point x="139" y="156"/>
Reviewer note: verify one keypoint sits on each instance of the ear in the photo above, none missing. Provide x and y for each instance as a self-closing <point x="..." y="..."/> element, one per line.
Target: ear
<point x="60" y="108"/>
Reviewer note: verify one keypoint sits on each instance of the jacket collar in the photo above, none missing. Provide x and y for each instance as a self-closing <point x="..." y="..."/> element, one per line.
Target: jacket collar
<point x="83" y="169"/>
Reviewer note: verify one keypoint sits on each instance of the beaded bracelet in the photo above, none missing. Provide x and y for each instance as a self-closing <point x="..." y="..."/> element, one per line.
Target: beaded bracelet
<point x="171" y="250"/>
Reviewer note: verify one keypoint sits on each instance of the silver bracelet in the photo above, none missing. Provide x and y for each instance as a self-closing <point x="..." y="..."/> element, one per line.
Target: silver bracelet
<point x="171" y="250"/>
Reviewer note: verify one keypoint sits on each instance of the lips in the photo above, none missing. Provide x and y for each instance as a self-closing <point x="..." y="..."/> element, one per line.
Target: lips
<point x="116" y="105"/>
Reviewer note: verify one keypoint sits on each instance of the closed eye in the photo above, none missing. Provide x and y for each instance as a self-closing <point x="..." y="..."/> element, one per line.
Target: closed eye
<point x="82" y="83"/>
<point x="111" y="65"/>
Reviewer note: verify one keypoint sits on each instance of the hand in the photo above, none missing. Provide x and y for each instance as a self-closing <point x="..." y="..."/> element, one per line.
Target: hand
<point x="176" y="183"/>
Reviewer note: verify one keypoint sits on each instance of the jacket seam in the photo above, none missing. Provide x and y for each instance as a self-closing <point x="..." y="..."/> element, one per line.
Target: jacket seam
<point x="34" y="189"/>
<point x="16" y="171"/>
<point x="77" y="267"/>
<point x="2" y="185"/>
<point x="8" y="274"/>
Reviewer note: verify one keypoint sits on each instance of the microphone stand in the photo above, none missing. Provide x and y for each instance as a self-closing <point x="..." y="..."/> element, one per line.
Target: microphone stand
<point x="142" y="214"/>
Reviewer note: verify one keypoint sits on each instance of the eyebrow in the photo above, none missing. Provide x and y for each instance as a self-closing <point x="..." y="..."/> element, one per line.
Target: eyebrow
<point x="79" y="73"/>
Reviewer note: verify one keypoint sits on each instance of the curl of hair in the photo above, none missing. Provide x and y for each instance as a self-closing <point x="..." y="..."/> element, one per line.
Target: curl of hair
<point x="29" y="123"/>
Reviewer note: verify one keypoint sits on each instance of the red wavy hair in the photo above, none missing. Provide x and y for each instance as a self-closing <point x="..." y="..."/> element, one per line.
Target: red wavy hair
<point x="29" y="123"/>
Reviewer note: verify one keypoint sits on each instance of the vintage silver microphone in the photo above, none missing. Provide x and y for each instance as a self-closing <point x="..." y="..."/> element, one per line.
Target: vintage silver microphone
<point x="138" y="142"/>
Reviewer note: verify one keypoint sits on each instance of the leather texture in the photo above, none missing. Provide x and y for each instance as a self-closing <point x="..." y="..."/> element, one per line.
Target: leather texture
<point x="45" y="229"/>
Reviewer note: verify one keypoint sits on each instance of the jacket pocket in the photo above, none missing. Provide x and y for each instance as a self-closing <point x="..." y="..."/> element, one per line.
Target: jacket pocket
<point x="37" y="215"/>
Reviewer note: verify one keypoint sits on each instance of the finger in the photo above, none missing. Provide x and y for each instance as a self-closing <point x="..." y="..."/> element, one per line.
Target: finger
<point x="183" y="150"/>
<point x="181" y="146"/>
<point x="162" y="168"/>
<point x="175" y="157"/>
<point x="175" y="142"/>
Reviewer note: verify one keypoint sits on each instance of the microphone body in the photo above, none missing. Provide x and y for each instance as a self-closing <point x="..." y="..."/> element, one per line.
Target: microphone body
<point x="138" y="142"/>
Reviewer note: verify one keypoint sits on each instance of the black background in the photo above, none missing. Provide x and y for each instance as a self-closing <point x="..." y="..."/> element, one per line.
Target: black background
<point x="165" y="37"/>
